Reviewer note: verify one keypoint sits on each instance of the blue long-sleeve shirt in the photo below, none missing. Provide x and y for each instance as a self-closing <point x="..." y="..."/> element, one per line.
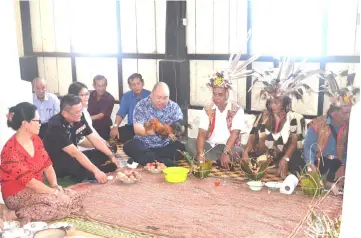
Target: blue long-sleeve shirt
<point x="310" y="145"/>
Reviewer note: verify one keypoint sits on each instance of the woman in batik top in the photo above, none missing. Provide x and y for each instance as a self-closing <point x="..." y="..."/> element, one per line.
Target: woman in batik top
<point x="278" y="132"/>
<point x="23" y="162"/>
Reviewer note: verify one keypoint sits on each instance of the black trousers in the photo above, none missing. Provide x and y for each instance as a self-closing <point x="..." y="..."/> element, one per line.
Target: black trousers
<point x="330" y="167"/>
<point x="69" y="166"/>
<point x="126" y="133"/>
<point x="296" y="163"/>
<point x="43" y="129"/>
<point x="103" y="131"/>
<point x="139" y="153"/>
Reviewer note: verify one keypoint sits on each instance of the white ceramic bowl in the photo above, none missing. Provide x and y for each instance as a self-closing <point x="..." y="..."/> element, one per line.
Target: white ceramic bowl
<point x="36" y="226"/>
<point x="255" y="185"/>
<point x="273" y="185"/>
<point x="51" y="233"/>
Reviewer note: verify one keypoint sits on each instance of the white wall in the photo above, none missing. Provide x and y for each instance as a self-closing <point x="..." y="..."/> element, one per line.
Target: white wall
<point x="213" y="27"/>
<point x="54" y="21"/>
<point x="11" y="72"/>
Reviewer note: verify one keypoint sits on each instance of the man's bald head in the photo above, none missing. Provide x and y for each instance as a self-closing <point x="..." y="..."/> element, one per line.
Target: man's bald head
<point x="160" y="95"/>
<point x="161" y="86"/>
<point x="39" y="87"/>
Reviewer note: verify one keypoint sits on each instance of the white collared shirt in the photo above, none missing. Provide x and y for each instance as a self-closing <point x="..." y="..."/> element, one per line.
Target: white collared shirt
<point x="90" y="123"/>
<point x="221" y="133"/>
<point x="48" y="107"/>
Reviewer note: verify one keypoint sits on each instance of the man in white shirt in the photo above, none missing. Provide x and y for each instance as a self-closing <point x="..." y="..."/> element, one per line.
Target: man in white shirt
<point x="48" y="104"/>
<point x="220" y="125"/>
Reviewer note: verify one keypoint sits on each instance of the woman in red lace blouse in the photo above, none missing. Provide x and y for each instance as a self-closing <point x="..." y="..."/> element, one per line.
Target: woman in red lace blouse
<point x="23" y="162"/>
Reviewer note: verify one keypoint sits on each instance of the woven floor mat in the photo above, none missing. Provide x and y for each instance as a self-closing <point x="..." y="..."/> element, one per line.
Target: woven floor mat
<point x="101" y="229"/>
<point x="237" y="174"/>
<point x="195" y="208"/>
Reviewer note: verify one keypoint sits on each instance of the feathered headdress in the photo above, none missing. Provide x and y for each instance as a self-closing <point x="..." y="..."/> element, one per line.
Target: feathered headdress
<point x="340" y="96"/>
<point x="234" y="71"/>
<point x="285" y="80"/>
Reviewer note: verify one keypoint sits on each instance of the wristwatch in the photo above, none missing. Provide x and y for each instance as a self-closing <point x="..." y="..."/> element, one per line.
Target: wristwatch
<point x="287" y="159"/>
<point x="115" y="125"/>
<point x="226" y="151"/>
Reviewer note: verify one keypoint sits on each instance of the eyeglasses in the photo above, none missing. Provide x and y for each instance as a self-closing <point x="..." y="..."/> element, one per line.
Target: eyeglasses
<point x="37" y="121"/>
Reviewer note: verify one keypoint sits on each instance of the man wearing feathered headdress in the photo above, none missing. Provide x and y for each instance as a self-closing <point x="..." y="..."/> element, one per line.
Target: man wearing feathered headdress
<point x="222" y="120"/>
<point x="278" y="131"/>
<point x="325" y="144"/>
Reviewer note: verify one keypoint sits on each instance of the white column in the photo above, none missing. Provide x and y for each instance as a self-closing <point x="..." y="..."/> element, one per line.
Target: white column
<point x="13" y="89"/>
<point x="351" y="199"/>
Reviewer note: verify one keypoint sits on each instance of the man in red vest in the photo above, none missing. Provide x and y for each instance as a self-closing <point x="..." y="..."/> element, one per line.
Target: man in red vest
<point x="326" y="140"/>
<point x="221" y="121"/>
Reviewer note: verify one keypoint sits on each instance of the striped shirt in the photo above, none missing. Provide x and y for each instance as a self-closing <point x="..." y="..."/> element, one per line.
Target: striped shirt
<point x="48" y="107"/>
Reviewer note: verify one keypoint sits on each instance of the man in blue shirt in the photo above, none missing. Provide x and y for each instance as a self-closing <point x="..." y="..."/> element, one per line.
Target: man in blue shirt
<point x="127" y="105"/>
<point x="325" y="143"/>
<point x="147" y="146"/>
<point x="48" y="104"/>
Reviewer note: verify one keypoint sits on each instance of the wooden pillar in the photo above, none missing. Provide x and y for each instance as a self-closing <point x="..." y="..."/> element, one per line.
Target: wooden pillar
<point x="174" y="70"/>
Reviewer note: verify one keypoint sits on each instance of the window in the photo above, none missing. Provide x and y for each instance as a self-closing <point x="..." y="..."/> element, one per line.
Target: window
<point x="287" y="27"/>
<point x="94" y="27"/>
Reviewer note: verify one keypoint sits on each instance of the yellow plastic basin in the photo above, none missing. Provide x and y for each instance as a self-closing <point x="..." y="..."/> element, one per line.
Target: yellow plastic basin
<point x="175" y="174"/>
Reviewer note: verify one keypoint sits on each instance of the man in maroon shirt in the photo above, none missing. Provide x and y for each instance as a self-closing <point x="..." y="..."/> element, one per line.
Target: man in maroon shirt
<point x="100" y="106"/>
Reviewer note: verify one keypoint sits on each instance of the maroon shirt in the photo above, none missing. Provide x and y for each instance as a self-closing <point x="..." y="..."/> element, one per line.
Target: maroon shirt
<point x="104" y="105"/>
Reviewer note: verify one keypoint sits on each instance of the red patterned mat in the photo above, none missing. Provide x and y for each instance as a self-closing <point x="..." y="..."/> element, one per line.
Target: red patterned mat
<point x="197" y="208"/>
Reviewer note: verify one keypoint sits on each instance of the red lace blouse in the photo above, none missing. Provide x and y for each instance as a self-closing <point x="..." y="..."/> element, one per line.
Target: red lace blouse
<point x="18" y="167"/>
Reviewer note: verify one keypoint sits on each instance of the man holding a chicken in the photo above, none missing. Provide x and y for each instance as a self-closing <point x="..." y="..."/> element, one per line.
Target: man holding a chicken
<point x="155" y="119"/>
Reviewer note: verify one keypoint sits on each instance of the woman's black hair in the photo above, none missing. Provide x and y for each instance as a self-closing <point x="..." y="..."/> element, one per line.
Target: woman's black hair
<point x="286" y="102"/>
<point x="76" y="87"/>
<point x="21" y="112"/>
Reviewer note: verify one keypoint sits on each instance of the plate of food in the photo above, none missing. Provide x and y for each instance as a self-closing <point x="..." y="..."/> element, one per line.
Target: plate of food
<point x="155" y="167"/>
<point x="128" y="176"/>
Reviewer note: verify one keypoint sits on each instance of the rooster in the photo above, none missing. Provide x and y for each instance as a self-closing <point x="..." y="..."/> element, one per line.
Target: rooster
<point x="172" y="131"/>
